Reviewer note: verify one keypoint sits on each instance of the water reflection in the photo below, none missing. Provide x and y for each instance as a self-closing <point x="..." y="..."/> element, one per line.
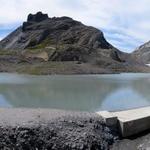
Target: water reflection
<point x="86" y="93"/>
<point x="4" y="102"/>
<point x="124" y="98"/>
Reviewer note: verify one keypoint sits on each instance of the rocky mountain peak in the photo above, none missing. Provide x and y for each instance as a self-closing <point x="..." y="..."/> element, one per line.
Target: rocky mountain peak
<point x="34" y="19"/>
<point x="38" y="17"/>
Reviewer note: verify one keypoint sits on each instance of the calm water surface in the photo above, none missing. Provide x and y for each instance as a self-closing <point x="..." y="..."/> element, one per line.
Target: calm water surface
<point x="77" y="92"/>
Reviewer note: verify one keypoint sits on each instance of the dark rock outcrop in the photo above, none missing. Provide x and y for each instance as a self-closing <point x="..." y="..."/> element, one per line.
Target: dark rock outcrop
<point x="37" y="17"/>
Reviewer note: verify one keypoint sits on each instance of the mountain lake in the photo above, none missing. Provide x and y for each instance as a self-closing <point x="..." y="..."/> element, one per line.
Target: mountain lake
<point x="75" y="92"/>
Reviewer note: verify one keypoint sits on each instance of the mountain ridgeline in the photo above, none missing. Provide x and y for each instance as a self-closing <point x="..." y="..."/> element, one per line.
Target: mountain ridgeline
<point x="143" y="53"/>
<point x="67" y="39"/>
<point x="62" y="39"/>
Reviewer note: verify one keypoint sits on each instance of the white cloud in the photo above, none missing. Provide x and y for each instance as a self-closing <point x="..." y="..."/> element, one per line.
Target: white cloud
<point x="128" y="19"/>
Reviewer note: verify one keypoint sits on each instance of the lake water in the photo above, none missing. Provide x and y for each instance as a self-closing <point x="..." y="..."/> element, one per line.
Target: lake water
<point x="77" y="92"/>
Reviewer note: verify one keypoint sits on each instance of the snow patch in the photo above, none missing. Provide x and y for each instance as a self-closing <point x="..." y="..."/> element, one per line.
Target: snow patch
<point x="148" y="65"/>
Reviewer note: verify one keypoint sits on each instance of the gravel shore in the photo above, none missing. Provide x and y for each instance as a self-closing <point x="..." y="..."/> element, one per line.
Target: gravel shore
<point x="138" y="142"/>
<point x="44" y="129"/>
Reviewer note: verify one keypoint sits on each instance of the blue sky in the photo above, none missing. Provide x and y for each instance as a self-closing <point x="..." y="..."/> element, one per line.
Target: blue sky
<point x="125" y="23"/>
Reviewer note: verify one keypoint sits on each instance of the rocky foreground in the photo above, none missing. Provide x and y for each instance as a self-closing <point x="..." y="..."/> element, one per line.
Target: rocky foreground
<point x="46" y="129"/>
<point x="38" y="129"/>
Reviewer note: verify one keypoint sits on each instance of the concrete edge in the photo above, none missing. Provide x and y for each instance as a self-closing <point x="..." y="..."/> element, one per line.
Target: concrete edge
<point x="128" y="122"/>
<point x="108" y="118"/>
